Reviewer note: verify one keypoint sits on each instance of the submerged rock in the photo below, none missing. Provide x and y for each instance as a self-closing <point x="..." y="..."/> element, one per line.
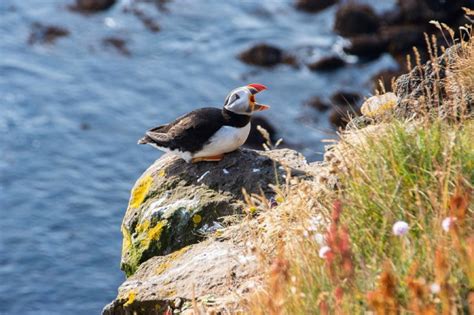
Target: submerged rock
<point x="314" y="6"/>
<point x="345" y="98"/>
<point x="90" y="6"/>
<point x="318" y="104"/>
<point x="367" y="47"/>
<point x="46" y="34"/>
<point x="173" y="200"/>
<point x="263" y="55"/>
<point x="119" y="44"/>
<point x="329" y="63"/>
<point x="255" y="139"/>
<point x="356" y="19"/>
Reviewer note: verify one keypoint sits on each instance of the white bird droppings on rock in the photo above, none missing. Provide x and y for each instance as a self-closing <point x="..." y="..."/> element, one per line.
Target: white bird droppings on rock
<point x="225" y="171"/>
<point x="202" y="176"/>
<point x="256" y="170"/>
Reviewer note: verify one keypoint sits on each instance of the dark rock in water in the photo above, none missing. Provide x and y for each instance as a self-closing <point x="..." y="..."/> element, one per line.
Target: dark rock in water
<point x="327" y="64"/>
<point x="345" y="98"/>
<point x="385" y="78"/>
<point x="85" y="126"/>
<point x="402" y="38"/>
<point x="46" y="34"/>
<point x="426" y="10"/>
<point x="174" y="201"/>
<point x="91" y="6"/>
<point x="262" y="55"/>
<point x="119" y="44"/>
<point x="318" y="104"/>
<point x="340" y="115"/>
<point x="255" y="139"/>
<point x="146" y="20"/>
<point x="367" y="47"/>
<point x="356" y="19"/>
<point x="314" y="6"/>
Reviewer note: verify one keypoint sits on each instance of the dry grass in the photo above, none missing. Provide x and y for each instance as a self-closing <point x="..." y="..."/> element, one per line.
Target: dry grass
<point x="341" y="252"/>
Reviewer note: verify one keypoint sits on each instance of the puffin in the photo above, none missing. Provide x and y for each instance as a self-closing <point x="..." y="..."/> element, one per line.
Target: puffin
<point x="206" y="134"/>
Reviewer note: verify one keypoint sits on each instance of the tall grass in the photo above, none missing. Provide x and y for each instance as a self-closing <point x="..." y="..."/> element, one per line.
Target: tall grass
<point x="397" y="236"/>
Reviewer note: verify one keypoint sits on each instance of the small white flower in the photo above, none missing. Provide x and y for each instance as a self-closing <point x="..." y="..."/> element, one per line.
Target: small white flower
<point x="225" y="171"/>
<point x="319" y="238"/>
<point x="435" y="288"/>
<point x="324" y="251"/>
<point x="256" y="170"/>
<point x="400" y="228"/>
<point x="447" y="223"/>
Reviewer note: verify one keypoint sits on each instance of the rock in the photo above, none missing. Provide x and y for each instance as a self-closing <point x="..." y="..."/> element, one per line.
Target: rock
<point x="174" y="202"/>
<point x="255" y="139"/>
<point x="318" y="104"/>
<point x="211" y="271"/>
<point x="262" y="55"/>
<point x="119" y="44"/>
<point x="46" y="34"/>
<point x="329" y="63"/>
<point x="419" y="82"/>
<point x="355" y="19"/>
<point x="401" y="39"/>
<point x="146" y="20"/>
<point x="367" y="47"/>
<point x="314" y="6"/>
<point x="378" y="105"/>
<point x="422" y="11"/>
<point x="345" y="98"/>
<point x="91" y="6"/>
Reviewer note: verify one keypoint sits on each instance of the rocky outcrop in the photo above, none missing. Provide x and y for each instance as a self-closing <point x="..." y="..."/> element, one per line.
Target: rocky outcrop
<point x="427" y="82"/>
<point x="213" y="272"/>
<point x="176" y="210"/>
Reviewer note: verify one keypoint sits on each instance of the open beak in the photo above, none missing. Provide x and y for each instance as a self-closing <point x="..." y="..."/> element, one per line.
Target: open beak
<point x="255" y="88"/>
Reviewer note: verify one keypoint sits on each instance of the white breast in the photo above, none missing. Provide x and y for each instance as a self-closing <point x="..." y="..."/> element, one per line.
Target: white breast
<point x="226" y="139"/>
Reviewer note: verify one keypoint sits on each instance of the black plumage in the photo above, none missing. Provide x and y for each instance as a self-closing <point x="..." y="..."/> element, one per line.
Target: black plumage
<point x="191" y="132"/>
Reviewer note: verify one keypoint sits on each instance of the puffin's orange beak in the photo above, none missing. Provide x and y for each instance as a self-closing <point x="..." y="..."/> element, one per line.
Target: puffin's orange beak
<point x="255" y="88"/>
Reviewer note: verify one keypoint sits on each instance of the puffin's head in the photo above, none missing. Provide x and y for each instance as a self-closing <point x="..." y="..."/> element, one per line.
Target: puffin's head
<point x="242" y="100"/>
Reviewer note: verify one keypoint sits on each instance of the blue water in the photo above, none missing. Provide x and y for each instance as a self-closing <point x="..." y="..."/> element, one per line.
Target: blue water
<point x="64" y="190"/>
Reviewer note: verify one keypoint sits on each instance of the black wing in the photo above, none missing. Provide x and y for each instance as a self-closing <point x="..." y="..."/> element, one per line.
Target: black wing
<point x="187" y="133"/>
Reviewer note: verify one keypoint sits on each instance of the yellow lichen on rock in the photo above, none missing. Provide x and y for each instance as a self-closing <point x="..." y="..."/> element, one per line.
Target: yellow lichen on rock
<point x="131" y="298"/>
<point x="379" y="104"/>
<point x="197" y="219"/>
<point x="140" y="190"/>
<point x="153" y="233"/>
<point x="127" y="239"/>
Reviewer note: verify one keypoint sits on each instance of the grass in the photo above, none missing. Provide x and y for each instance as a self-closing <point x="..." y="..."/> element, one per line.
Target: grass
<point x="336" y="251"/>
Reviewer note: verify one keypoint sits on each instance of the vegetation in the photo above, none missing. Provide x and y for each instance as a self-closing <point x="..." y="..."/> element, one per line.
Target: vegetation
<point x="397" y="235"/>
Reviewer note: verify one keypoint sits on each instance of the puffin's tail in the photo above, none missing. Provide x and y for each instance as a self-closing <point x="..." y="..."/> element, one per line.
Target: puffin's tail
<point x="145" y="140"/>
